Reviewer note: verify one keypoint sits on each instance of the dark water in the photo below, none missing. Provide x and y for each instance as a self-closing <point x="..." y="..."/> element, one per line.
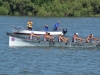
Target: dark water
<point x="49" y="60"/>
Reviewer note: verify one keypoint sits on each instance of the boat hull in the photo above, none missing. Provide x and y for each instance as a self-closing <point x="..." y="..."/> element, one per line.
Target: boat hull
<point x="26" y="42"/>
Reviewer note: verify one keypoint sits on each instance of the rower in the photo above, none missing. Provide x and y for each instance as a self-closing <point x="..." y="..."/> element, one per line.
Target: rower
<point x="47" y="37"/>
<point x="61" y="38"/>
<point x="33" y="35"/>
<point x="29" y="25"/>
<point x="90" y="38"/>
<point x="75" y="38"/>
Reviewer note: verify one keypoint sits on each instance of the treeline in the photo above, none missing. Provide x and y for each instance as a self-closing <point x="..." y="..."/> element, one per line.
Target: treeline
<point x="50" y="7"/>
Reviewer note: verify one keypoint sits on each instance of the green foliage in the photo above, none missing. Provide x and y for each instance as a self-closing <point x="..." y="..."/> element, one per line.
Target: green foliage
<point x="77" y="13"/>
<point x="50" y="7"/>
<point x="16" y="13"/>
<point x="30" y="13"/>
<point x="0" y="2"/>
<point x="3" y="11"/>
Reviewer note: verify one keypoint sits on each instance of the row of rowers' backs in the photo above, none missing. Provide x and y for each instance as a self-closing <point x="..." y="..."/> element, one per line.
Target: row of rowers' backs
<point x="90" y="38"/>
<point x="47" y="37"/>
<point x="75" y="38"/>
<point x="61" y="38"/>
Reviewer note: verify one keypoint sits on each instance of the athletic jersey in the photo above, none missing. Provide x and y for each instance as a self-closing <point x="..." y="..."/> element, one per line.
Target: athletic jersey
<point x="56" y="25"/>
<point x="46" y="28"/>
<point x="90" y="39"/>
<point x="29" y="24"/>
<point x="74" y="40"/>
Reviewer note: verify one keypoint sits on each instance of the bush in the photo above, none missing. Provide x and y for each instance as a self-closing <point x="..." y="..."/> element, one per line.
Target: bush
<point x="29" y="13"/>
<point x="77" y="13"/>
<point x="16" y="13"/>
<point x="3" y="11"/>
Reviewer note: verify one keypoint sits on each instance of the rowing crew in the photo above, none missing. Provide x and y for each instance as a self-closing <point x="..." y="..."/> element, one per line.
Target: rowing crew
<point x="61" y="38"/>
<point x="47" y="37"/>
<point x="89" y="39"/>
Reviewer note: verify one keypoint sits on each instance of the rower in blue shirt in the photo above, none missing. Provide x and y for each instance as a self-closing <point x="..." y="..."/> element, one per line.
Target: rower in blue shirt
<point x="57" y="26"/>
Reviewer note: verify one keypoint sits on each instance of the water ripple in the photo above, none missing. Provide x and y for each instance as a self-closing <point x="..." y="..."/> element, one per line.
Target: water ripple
<point x="49" y="60"/>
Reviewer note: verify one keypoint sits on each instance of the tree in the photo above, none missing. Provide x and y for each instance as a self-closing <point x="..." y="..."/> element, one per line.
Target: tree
<point x="50" y="7"/>
<point x="3" y="10"/>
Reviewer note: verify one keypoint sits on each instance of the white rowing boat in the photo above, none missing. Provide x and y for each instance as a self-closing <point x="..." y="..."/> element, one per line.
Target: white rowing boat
<point x="19" y="40"/>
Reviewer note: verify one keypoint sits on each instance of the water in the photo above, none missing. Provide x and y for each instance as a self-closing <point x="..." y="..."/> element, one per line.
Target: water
<point x="49" y="60"/>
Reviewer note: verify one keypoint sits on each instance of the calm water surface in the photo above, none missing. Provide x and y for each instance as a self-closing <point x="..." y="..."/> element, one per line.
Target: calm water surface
<point x="49" y="60"/>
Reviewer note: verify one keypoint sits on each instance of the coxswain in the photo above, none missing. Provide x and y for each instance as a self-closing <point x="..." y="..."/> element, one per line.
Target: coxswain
<point x="29" y="25"/>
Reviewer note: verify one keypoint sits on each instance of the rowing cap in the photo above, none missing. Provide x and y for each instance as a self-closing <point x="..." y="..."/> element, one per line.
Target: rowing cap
<point x="76" y="33"/>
